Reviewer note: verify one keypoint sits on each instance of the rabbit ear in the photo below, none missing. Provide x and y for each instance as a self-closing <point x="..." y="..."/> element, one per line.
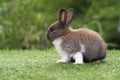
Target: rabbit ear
<point x="63" y="16"/>
<point x="70" y="14"/>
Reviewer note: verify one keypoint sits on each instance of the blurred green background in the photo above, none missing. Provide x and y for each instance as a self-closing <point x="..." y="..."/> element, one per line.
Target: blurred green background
<point x="23" y="23"/>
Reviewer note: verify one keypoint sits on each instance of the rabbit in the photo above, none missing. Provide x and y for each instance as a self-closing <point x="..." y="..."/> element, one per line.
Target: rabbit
<point x="78" y="45"/>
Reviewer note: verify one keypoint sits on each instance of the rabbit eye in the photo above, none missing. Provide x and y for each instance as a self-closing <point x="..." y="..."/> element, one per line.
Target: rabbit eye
<point x="51" y="29"/>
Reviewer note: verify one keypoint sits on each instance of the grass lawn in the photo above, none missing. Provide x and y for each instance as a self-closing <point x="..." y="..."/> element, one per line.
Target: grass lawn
<point x="41" y="65"/>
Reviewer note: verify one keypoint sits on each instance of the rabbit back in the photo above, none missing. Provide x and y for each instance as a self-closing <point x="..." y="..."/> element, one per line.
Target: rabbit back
<point x="88" y="42"/>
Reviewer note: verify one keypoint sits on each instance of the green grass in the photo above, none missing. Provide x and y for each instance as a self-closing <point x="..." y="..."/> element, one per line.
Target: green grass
<point x="41" y="65"/>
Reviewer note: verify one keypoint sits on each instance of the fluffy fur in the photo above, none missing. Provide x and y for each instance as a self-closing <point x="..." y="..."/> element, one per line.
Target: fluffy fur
<point x="81" y="45"/>
<point x="78" y="57"/>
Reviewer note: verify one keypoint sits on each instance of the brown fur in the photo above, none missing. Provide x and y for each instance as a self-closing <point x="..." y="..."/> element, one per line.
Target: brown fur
<point x="95" y="47"/>
<point x="94" y="44"/>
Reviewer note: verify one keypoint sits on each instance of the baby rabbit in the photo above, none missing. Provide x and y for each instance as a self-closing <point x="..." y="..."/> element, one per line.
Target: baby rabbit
<point x="81" y="45"/>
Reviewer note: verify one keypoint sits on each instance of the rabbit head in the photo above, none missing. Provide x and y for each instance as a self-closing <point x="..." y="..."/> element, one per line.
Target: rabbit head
<point x="60" y="27"/>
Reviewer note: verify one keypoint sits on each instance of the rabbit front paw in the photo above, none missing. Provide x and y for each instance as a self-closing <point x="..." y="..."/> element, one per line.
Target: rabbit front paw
<point x="62" y="61"/>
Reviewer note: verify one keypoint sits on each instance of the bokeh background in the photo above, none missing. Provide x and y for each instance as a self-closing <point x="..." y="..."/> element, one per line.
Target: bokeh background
<point x="23" y="23"/>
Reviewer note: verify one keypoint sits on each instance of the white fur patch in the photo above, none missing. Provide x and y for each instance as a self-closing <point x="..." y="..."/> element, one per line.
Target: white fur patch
<point x="78" y="58"/>
<point x="65" y="57"/>
<point x="57" y="44"/>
